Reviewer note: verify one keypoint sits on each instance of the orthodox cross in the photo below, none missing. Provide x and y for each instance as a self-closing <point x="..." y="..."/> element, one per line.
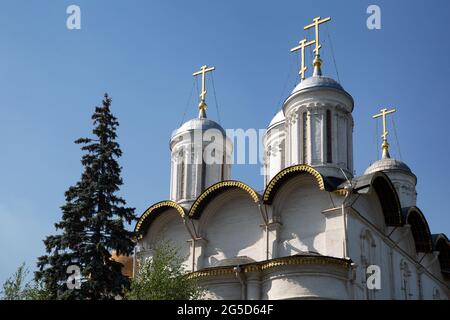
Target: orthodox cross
<point x="302" y="45"/>
<point x="316" y="24"/>
<point x="203" y="70"/>
<point x="383" y="113"/>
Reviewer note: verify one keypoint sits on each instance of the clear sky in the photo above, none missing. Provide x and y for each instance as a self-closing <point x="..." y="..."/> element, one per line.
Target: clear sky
<point x="143" y="54"/>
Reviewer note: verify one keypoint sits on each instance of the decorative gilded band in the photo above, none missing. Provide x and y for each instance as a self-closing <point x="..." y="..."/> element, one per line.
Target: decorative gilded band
<point x="284" y="174"/>
<point x="341" y="192"/>
<point x="202" y="200"/>
<point x="274" y="263"/>
<point x="150" y="214"/>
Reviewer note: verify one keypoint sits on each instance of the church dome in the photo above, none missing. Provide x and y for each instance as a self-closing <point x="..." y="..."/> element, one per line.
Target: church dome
<point x="198" y="124"/>
<point x="318" y="82"/>
<point x="188" y="145"/>
<point x="401" y="176"/>
<point x="277" y="119"/>
<point x="388" y="164"/>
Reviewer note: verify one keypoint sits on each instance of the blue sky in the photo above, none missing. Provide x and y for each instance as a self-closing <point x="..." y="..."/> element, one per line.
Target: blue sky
<point x="143" y="54"/>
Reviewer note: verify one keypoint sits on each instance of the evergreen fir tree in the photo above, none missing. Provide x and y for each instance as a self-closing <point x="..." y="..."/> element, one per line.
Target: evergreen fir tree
<point x="92" y="223"/>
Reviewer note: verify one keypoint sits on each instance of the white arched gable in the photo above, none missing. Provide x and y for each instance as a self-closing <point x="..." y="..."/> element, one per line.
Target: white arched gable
<point x="168" y="226"/>
<point x="231" y="225"/>
<point x="405" y="240"/>
<point x="369" y="206"/>
<point x="298" y="205"/>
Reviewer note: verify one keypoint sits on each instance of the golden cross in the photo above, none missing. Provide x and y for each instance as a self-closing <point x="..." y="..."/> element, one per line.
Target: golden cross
<point x="203" y="70"/>
<point x="316" y="24"/>
<point x="383" y="113"/>
<point x="302" y="45"/>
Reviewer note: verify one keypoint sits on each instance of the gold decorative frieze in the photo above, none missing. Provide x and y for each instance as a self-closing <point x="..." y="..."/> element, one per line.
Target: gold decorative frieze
<point x="216" y="187"/>
<point x="274" y="263"/>
<point x="147" y="213"/>
<point x="340" y="192"/>
<point x="297" y="168"/>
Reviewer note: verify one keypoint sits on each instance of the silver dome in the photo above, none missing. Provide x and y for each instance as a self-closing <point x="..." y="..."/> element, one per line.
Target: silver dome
<point x="318" y="81"/>
<point x="277" y="119"/>
<point x="388" y="164"/>
<point x="198" y="124"/>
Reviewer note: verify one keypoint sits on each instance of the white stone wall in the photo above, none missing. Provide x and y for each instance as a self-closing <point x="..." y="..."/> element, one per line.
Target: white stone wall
<point x="297" y="281"/>
<point x="299" y="205"/>
<point x="317" y="282"/>
<point x="231" y="226"/>
<point x="369" y="207"/>
<point x="223" y="288"/>
<point x="393" y="250"/>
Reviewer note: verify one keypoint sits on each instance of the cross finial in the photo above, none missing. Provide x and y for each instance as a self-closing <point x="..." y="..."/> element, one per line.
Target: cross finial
<point x="315" y="24"/>
<point x="385" y="146"/>
<point x="302" y="45"/>
<point x="203" y="70"/>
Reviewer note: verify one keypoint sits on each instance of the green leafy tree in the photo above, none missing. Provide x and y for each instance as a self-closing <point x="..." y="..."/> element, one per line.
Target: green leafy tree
<point x="16" y="287"/>
<point x="163" y="277"/>
<point x="92" y="223"/>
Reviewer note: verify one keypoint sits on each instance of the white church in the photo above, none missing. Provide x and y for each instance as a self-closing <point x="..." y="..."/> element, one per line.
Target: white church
<point x="316" y="231"/>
